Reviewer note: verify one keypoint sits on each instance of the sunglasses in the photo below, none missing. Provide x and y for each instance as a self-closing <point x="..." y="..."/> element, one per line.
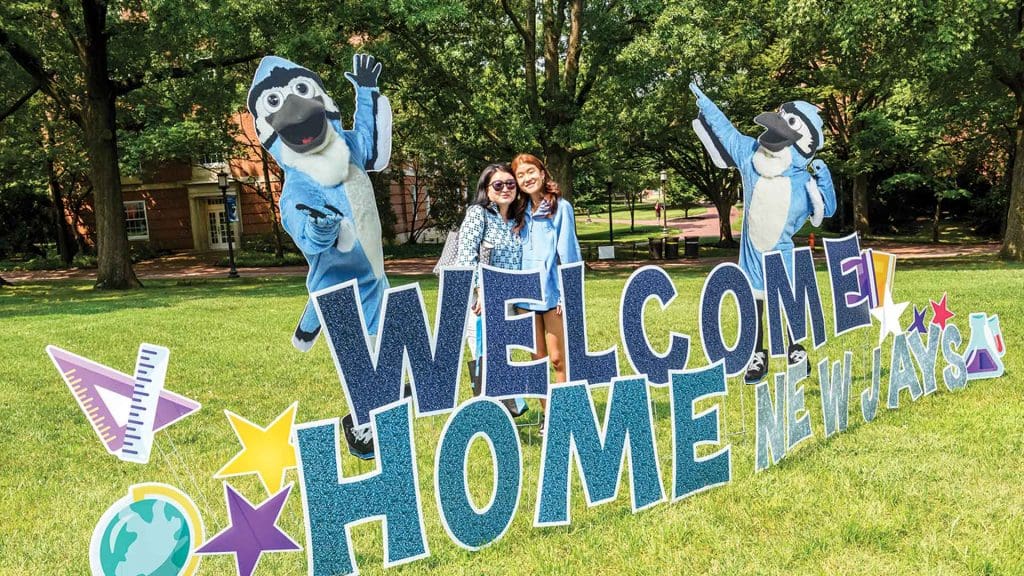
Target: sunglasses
<point x="500" y="185"/>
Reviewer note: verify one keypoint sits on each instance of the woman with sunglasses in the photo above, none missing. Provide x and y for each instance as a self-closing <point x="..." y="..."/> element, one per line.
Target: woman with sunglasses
<point x="490" y="235"/>
<point x="549" y="239"/>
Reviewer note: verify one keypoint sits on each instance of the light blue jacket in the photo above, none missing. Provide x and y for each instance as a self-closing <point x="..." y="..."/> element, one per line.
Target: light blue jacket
<point x="548" y="242"/>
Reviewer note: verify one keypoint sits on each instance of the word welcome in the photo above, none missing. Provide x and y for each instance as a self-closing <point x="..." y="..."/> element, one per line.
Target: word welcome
<point x="372" y="374"/>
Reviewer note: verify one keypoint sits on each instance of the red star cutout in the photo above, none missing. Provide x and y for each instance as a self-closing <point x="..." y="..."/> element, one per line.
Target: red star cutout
<point x="940" y="313"/>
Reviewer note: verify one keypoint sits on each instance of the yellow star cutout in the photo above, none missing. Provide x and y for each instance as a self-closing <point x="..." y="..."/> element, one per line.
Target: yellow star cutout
<point x="267" y="452"/>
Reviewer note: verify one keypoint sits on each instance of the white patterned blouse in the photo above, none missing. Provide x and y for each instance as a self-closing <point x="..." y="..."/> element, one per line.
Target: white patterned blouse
<point x="484" y="227"/>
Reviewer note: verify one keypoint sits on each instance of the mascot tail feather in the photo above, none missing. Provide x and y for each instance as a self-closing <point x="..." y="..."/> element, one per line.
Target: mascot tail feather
<point x="307" y="330"/>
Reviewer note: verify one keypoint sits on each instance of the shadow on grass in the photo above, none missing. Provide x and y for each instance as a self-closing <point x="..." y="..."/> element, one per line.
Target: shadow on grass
<point x="74" y="297"/>
<point x="79" y="298"/>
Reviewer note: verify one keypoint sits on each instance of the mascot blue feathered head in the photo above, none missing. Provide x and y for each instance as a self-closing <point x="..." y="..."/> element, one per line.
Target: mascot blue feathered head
<point x="289" y="106"/>
<point x="796" y="124"/>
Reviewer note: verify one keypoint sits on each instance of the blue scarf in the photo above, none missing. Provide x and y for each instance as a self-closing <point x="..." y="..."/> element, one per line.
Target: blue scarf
<point x="544" y="210"/>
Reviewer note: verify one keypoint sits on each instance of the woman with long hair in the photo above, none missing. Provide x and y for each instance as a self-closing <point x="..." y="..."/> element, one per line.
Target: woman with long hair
<point x="549" y="239"/>
<point x="490" y="235"/>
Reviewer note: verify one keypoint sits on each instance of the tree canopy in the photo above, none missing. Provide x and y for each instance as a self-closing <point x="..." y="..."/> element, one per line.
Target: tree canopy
<point x="923" y="100"/>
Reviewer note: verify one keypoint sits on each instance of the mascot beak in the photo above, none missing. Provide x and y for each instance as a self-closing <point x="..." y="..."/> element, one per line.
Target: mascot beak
<point x="301" y="123"/>
<point x="777" y="134"/>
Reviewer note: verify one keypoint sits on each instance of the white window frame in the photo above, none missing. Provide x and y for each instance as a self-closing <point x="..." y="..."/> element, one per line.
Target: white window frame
<point x="213" y="160"/>
<point x="145" y="218"/>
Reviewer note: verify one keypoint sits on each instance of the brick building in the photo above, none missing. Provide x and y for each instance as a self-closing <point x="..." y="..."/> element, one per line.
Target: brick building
<point x="177" y="205"/>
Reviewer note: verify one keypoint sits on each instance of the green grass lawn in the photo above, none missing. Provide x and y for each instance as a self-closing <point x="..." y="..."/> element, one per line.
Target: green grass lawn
<point x="597" y="231"/>
<point x="932" y="488"/>
<point x="644" y="211"/>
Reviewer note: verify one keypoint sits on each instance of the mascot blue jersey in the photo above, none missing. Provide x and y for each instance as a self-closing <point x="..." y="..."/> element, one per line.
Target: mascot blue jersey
<point x="779" y="193"/>
<point x="327" y="203"/>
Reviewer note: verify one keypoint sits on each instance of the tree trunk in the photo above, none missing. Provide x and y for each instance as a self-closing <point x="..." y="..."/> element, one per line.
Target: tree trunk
<point x="838" y="222"/>
<point x="275" y="213"/>
<point x="935" y="220"/>
<point x="415" y="209"/>
<point x="113" y="259"/>
<point x="65" y="243"/>
<point x="632" y="213"/>
<point x="861" y="223"/>
<point x="724" y="207"/>
<point x="99" y="127"/>
<point x="559" y="163"/>
<point x="1013" y="239"/>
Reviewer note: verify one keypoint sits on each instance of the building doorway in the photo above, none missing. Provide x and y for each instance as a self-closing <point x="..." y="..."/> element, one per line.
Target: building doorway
<point x="217" y="224"/>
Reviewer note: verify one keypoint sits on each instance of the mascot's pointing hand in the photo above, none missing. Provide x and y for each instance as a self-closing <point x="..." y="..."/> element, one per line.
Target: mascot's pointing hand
<point x="365" y="71"/>
<point x="818" y="166"/>
<point x="325" y="217"/>
<point x="701" y="97"/>
<point x="324" y="225"/>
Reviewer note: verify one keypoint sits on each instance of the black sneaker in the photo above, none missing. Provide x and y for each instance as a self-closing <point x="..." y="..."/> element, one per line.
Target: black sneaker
<point x="757" y="369"/>
<point x="796" y="355"/>
<point x="359" y="438"/>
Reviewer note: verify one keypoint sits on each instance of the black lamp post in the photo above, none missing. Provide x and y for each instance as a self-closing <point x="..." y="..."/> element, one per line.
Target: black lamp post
<point x="611" y="232"/>
<point x="222" y="183"/>
<point x="664" y="206"/>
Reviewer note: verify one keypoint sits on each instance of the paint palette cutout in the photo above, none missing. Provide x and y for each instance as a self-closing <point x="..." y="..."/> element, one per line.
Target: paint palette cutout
<point x="125" y="411"/>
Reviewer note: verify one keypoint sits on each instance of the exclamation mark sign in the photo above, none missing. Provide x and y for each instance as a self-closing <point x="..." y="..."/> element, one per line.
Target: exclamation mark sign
<point x="150" y="372"/>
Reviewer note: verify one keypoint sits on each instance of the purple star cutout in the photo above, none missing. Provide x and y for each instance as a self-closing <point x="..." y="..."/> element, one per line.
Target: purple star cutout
<point x="252" y="532"/>
<point x="918" y="324"/>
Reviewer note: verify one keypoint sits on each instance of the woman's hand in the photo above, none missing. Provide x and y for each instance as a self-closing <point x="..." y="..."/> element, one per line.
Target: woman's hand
<point x="476" y="307"/>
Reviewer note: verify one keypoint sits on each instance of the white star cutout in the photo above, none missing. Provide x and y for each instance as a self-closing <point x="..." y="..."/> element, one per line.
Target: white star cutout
<point x="888" y="316"/>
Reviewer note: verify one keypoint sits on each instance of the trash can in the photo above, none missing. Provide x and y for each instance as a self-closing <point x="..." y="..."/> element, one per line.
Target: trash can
<point x="691" y="247"/>
<point x="672" y="248"/>
<point x="655" y="245"/>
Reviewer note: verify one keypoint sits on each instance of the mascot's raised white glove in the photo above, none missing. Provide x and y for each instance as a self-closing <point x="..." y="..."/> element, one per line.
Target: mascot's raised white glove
<point x="814" y="194"/>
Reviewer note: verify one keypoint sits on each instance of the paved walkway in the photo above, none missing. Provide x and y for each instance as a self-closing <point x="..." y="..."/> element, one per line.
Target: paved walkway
<point x="705" y="224"/>
<point x="186" y="265"/>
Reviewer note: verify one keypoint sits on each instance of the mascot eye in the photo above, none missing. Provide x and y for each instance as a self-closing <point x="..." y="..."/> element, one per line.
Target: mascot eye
<point x="273" y="101"/>
<point x="302" y="88"/>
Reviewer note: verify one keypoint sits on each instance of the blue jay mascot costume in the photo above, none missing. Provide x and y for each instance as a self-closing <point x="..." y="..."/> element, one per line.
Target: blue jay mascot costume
<point x="779" y="193"/>
<point x="327" y="204"/>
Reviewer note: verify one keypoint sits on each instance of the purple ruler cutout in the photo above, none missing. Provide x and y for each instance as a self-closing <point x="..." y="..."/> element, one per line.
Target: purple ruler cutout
<point x="105" y="396"/>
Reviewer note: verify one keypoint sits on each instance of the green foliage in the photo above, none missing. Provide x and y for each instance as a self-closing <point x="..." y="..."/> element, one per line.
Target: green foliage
<point x="25" y="219"/>
<point x="905" y="87"/>
<point x="681" y="194"/>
